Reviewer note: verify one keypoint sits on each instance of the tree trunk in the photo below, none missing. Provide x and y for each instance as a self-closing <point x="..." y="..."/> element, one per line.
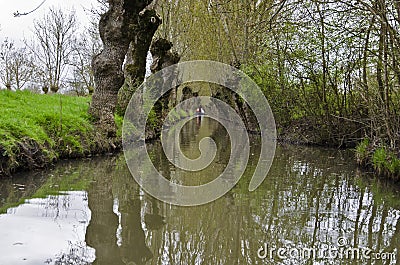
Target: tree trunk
<point x="118" y="28"/>
<point x="380" y="62"/>
<point x="135" y="66"/>
<point x="365" y="55"/>
<point x="324" y="55"/>
<point x="162" y="58"/>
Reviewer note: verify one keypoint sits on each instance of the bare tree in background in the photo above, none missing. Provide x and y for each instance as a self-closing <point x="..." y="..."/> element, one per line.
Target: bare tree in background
<point x="83" y="49"/>
<point x="7" y="78"/>
<point x="52" y="46"/>
<point x="22" y="68"/>
<point x="17" y="67"/>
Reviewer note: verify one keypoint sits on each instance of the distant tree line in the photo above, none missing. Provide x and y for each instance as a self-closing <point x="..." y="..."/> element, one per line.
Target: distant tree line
<point x="58" y="56"/>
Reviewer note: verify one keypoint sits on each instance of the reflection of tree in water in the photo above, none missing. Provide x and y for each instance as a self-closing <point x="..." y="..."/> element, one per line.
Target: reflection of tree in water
<point x="108" y="187"/>
<point x="321" y="202"/>
<point x="223" y="141"/>
<point x="201" y="127"/>
<point x="310" y="198"/>
<point x="101" y="232"/>
<point x="153" y="217"/>
<point x="77" y="254"/>
<point x="133" y="247"/>
<point x="159" y="159"/>
<point x="189" y="133"/>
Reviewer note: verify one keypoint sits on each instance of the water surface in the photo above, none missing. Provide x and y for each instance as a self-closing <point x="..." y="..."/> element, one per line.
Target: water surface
<point x="93" y="212"/>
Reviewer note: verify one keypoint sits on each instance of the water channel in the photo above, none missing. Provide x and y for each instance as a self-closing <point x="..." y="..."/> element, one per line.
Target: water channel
<point x="314" y="207"/>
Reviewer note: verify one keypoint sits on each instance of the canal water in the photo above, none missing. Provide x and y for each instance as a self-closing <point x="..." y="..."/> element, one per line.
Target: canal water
<point x="314" y="207"/>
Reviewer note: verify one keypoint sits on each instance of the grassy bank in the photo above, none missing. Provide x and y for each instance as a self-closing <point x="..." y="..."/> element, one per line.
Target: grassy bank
<point x="36" y="130"/>
<point x="381" y="158"/>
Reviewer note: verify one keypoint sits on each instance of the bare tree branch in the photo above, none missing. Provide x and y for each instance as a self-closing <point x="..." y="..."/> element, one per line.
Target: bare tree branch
<point x="17" y="14"/>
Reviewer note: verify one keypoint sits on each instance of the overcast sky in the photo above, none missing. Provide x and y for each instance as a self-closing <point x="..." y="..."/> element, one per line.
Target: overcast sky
<point x="20" y="27"/>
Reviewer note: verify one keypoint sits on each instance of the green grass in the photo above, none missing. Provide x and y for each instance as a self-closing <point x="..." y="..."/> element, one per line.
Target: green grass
<point x="383" y="160"/>
<point x="57" y="125"/>
<point x="379" y="159"/>
<point x="362" y="152"/>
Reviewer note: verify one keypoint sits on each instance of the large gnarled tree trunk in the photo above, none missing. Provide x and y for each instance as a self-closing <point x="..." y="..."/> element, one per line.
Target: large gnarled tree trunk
<point x="163" y="57"/>
<point x="119" y="28"/>
<point x="135" y="65"/>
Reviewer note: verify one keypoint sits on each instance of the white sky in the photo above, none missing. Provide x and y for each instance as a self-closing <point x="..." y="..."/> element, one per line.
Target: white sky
<point x="20" y="27"/>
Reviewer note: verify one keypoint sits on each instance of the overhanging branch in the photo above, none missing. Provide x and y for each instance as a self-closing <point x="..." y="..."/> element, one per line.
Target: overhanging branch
<point x="18" y="14"/>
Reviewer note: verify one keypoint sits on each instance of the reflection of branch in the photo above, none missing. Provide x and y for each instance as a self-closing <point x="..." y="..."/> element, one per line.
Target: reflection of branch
<point x="18" y="14"/>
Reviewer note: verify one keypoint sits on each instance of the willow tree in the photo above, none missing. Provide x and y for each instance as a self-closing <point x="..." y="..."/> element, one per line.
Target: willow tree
<point x="124" y="24"/>
<point x="221" y="30"/>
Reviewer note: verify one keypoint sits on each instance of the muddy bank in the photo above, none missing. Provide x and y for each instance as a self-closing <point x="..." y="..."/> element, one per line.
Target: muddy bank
<point x="332" y="133"/>
<point x="30" y="155"/>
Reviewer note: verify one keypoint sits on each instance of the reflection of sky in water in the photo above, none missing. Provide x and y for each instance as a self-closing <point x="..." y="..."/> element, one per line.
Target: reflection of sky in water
<point x="35" y="231"/>
<point x="119" y="229"/>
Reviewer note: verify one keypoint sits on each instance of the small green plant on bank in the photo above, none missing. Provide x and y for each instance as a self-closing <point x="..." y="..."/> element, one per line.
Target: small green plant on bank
<point x="362" y="152"/>
<point x="119" y="120"/>
<point x="379" y="160"/>
<point x="383" y="160"/>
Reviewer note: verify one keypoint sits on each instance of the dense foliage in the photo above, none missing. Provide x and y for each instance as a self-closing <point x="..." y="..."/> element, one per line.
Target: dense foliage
<point x="330" y="69"/>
